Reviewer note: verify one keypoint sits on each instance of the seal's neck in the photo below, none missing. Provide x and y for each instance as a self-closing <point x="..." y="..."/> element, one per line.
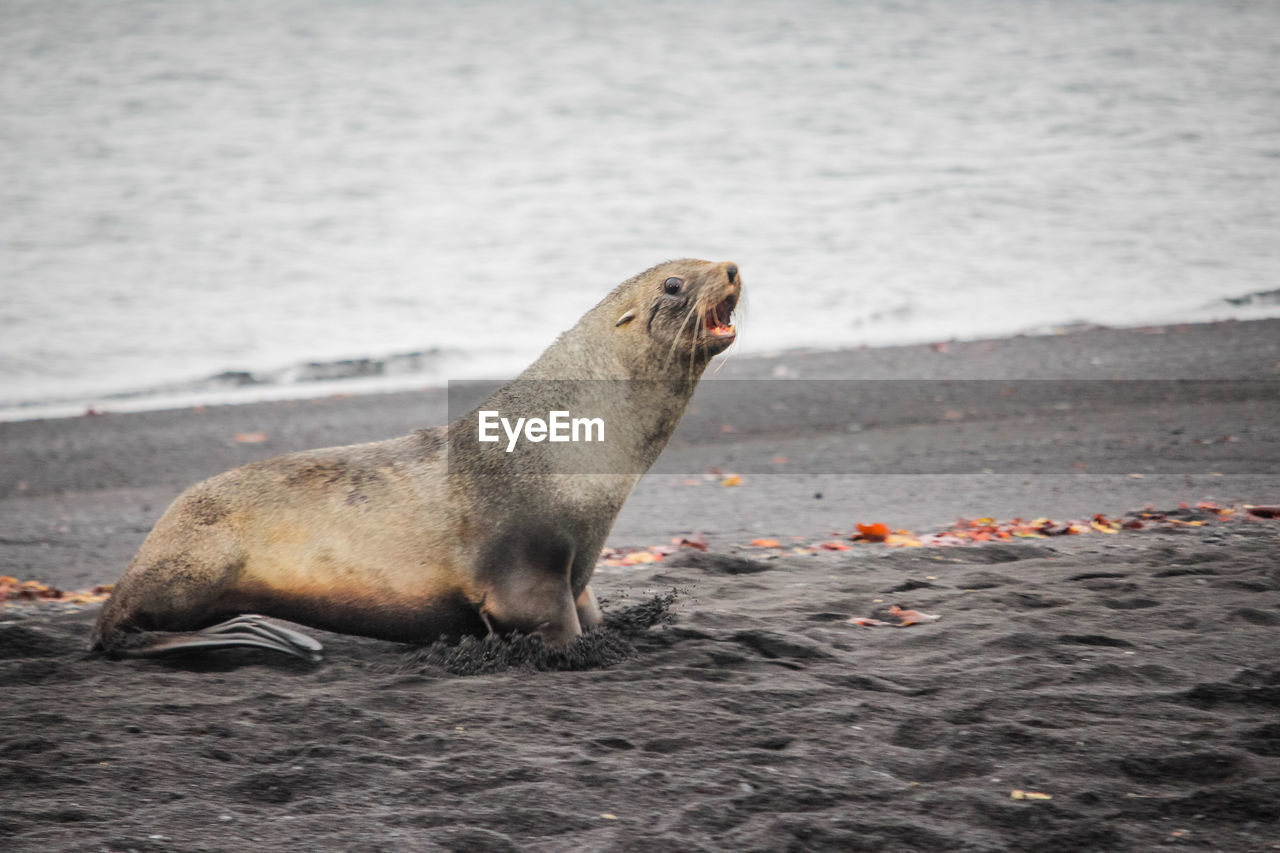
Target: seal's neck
<point x="595" y="349"/>
<point x="592" y="370"/>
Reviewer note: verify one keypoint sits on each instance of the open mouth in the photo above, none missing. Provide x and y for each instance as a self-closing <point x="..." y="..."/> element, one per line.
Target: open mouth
<point x="717" y="323"/>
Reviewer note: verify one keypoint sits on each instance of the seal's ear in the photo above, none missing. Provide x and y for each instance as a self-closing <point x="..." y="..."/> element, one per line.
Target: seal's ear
<point x="625" y="318"/>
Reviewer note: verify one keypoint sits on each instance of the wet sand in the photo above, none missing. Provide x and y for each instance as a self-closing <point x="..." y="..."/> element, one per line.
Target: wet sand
<point x="1132" y="679"/>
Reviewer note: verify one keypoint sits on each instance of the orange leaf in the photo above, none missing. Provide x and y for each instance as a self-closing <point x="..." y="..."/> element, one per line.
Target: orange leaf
<point x="766" y="543"/>
<point x="251" y="437"/>
<point x="731" y="480"/>
<point x="872" y="532"/>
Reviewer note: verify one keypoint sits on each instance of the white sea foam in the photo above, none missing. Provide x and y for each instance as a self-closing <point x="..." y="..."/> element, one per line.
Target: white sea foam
<point x="200" y="187"/>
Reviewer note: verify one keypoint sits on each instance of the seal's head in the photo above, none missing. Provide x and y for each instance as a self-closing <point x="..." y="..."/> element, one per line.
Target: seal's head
<point x="684" y="307"/>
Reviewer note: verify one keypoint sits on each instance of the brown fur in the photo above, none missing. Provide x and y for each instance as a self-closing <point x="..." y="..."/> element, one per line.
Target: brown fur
<point x="427" y="535"/>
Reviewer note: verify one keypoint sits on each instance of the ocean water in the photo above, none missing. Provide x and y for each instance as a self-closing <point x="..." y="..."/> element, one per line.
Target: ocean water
<point x="221" y="200"/>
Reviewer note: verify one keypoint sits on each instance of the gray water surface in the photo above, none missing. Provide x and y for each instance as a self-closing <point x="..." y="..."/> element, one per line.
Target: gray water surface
<point x="198" y="187"/>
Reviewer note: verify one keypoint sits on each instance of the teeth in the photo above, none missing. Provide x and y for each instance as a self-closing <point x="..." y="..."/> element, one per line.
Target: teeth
<point x="719" y="319"/>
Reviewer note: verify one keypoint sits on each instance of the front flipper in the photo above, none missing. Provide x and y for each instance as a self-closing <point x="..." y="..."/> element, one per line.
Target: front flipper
<point x="249" y="630"/>
<point x="527" y="575"/>
<point x="589" y="615"/>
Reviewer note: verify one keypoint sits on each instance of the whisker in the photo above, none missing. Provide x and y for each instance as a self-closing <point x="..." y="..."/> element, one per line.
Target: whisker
<point x="739" y="308"/>
<point x="675" y="342"/>
<point x="693" y="350"/>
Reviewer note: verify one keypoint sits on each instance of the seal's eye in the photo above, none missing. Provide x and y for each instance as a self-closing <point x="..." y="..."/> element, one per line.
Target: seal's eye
<point x="672" y="285"/>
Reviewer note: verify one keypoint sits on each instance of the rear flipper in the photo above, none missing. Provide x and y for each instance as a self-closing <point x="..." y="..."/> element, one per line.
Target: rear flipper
<point x="248" y="630"/>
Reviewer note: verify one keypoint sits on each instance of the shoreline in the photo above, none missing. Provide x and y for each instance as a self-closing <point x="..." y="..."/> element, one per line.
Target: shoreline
<point x="77" y="495"/>
<point x="364" y="376"/>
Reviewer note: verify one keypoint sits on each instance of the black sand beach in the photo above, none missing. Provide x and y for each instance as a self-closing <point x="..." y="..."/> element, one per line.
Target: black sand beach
<point x="1101" y="691"/>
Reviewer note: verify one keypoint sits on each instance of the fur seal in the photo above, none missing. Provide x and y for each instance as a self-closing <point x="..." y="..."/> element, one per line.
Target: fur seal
<point x="432" y="534"/>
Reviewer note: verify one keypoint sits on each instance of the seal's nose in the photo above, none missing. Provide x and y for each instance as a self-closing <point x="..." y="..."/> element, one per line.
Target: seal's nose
<point x="731" y="270"/>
